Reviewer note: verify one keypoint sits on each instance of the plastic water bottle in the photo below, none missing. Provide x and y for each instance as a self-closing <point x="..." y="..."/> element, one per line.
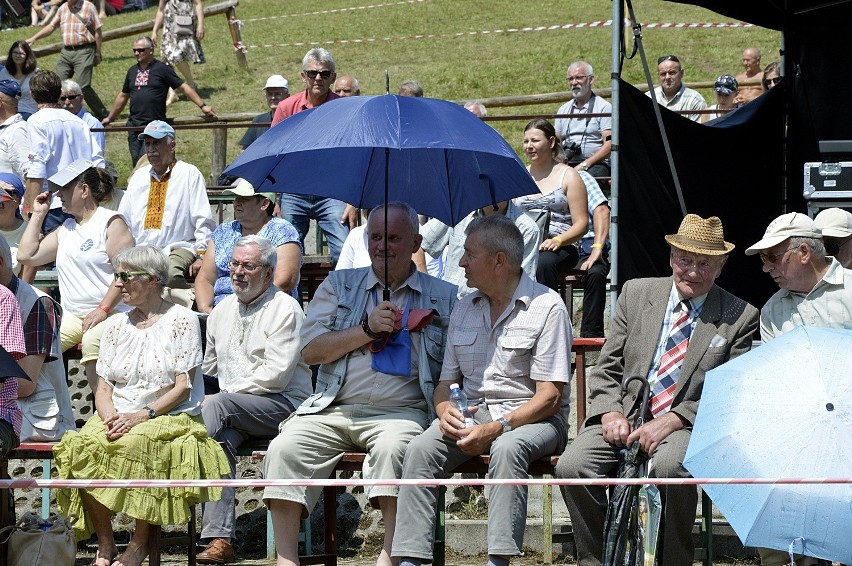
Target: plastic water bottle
<point x="459" y="401"/>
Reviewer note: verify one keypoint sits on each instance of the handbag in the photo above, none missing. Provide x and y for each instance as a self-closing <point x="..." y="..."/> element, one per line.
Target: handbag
<point x="183" y="25"/>
<point x="38" y="542"/>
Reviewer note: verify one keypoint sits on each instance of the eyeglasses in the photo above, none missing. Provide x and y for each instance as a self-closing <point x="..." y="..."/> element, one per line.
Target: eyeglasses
<point x="773" y="81"/>
<point x="140" y="49"/>
<point x="69" y="97"/>
<point x="235" y="265"/>
<point x="686" y="262"/>
<point x="312" y="74"/>
<point x="577" y="78"/>
<point x="126" y="276"/>
<point x="667" y="58"/>
<point x="776" y="257"/>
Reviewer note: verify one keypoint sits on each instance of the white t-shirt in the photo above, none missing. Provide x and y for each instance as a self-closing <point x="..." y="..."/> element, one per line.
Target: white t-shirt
<point x="82" y="264"/>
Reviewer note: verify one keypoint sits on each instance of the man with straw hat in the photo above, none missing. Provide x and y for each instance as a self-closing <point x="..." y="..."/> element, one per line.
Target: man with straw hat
<point x="671" y="331"/>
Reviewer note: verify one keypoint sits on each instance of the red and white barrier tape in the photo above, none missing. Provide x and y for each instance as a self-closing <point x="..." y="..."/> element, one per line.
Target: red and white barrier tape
<point x="91" y="484"/>
<point x="337" y="10"/>
<point x="553" y="27"/>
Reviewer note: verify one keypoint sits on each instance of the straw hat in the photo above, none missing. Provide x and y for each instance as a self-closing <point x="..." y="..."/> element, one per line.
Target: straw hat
<point x="700" y="236"/>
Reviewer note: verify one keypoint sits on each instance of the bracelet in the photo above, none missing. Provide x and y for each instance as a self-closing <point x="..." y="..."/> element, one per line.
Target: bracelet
<point x="203" y="104"/>
<point x="597" y="246"/>
<point x="558" y="240"/>
<point x="365" y="326"/>
<point x="104" y="308"/>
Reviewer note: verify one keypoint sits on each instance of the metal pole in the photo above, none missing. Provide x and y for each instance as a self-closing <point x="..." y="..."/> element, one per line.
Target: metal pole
<point x="617" y="38"/>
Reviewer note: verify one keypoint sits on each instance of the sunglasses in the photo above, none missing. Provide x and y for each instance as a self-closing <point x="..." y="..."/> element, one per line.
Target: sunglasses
<point x="668" y="58"/>
<point x="773" y="81"/>
<point x="140" y="49"/>
<point x="312" y="74"/>
<point x="70" y="97"/>
<point x="126" y="276"/>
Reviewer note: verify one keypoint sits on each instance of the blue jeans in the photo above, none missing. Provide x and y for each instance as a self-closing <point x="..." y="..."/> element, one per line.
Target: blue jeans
<point x="298" y="210"/>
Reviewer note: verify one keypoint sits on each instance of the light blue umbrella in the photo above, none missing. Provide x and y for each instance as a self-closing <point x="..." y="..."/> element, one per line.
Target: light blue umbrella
<point x="782" y="410"/>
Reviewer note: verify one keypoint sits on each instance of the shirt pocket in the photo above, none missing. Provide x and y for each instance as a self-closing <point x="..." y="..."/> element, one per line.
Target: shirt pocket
<point x="514" y="351"/>
<point x="467" y="356"/>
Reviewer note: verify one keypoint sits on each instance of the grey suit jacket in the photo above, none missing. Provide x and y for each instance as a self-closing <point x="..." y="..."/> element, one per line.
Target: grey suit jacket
<point x="725" y="321"/>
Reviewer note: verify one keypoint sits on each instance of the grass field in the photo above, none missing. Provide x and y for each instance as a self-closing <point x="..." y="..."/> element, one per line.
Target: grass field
<point x="458" y="49"/>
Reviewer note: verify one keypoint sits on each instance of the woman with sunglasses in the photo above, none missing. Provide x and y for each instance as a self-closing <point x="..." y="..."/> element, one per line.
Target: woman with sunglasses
<point x="21" y="65"/>
<point x="148" y="421"/>
<point x="83" y="248"/>
<point x="183" y="29"/>
<point x="562" y="194"/>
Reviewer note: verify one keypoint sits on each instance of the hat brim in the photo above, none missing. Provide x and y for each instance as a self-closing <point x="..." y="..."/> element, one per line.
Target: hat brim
<point x="836" y="232"/>
<point x="766" y="243"/>
<point x="697" y="247"/>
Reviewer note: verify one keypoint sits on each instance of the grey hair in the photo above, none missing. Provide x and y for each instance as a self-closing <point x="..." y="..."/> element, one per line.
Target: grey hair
<point x="267" y="251"/>
<point x="499" y="234"/>
<point x="478" y="106"/>
<point x="5" y="252"/>
<point x="148" y="41"/>
<point x="412" y="87"/>
<point x="70" y="85"/>
<point x="586" y="67"/>
<point x="149" y="259"/>
<point x="403" y="207"/>
<point x="816" y="244"/>
<point x="319" y="55"/>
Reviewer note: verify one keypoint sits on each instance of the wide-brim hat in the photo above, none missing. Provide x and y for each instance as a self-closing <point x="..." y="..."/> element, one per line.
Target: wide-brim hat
<point x="700" y="236"/>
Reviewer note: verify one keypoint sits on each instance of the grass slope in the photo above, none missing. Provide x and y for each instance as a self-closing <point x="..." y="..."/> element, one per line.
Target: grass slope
<point x="451" y="46"/>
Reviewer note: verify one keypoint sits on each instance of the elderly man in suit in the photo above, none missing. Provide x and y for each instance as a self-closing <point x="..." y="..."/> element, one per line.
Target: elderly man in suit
<point x="671" y="330"/>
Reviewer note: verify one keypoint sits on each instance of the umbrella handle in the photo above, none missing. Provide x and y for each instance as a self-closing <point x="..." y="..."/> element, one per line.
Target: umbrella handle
<point x="644" y="391"/>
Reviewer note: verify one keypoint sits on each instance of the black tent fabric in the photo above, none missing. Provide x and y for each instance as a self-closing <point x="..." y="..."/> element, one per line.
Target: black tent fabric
<point x="731" y="168"/>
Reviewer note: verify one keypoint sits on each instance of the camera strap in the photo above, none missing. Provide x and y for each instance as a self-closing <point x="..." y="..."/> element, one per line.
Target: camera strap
<point x="589" y="108"/>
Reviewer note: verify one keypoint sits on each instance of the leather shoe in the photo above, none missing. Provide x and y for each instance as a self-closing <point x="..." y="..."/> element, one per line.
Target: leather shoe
<point x="218" y="551"/>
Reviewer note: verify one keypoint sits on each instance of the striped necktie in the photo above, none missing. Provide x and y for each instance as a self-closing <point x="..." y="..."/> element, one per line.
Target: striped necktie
<point x="665" y="382"/>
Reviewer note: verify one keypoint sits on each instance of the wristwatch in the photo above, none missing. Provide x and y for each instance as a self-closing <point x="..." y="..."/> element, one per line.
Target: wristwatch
<point x="506" y="426"/>
<point x="585" y="166"/>
<point x="151" y="412"/>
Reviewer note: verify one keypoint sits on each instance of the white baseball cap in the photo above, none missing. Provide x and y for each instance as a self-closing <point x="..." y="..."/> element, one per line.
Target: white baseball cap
<point x="792" y="224"/>
<point x="276" y="81"/>
<point x="834" y="222"/>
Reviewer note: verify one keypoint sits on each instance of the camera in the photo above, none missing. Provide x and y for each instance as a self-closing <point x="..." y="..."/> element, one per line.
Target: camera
<point x="573" y="151"/>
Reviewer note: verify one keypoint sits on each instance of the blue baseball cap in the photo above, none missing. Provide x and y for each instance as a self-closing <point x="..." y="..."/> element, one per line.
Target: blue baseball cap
<point x="10" y="87"/>
<point x="725" y="84"/>
<point x="13" y="181"/>
<point x="157" y="130"/>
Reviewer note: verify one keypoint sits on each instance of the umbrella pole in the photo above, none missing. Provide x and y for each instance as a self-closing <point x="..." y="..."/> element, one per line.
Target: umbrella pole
<point x="386" y="291"/>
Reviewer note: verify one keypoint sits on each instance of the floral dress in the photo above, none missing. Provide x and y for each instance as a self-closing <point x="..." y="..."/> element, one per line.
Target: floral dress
<point x="176" y="48"/>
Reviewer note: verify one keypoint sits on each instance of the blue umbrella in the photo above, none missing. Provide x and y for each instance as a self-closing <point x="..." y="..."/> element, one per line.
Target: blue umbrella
<point x="782" y="410"/>
<point x="367" y="150"/>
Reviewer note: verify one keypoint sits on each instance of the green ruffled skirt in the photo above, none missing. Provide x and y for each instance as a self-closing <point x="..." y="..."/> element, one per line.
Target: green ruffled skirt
<point x="169" y="447"/>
